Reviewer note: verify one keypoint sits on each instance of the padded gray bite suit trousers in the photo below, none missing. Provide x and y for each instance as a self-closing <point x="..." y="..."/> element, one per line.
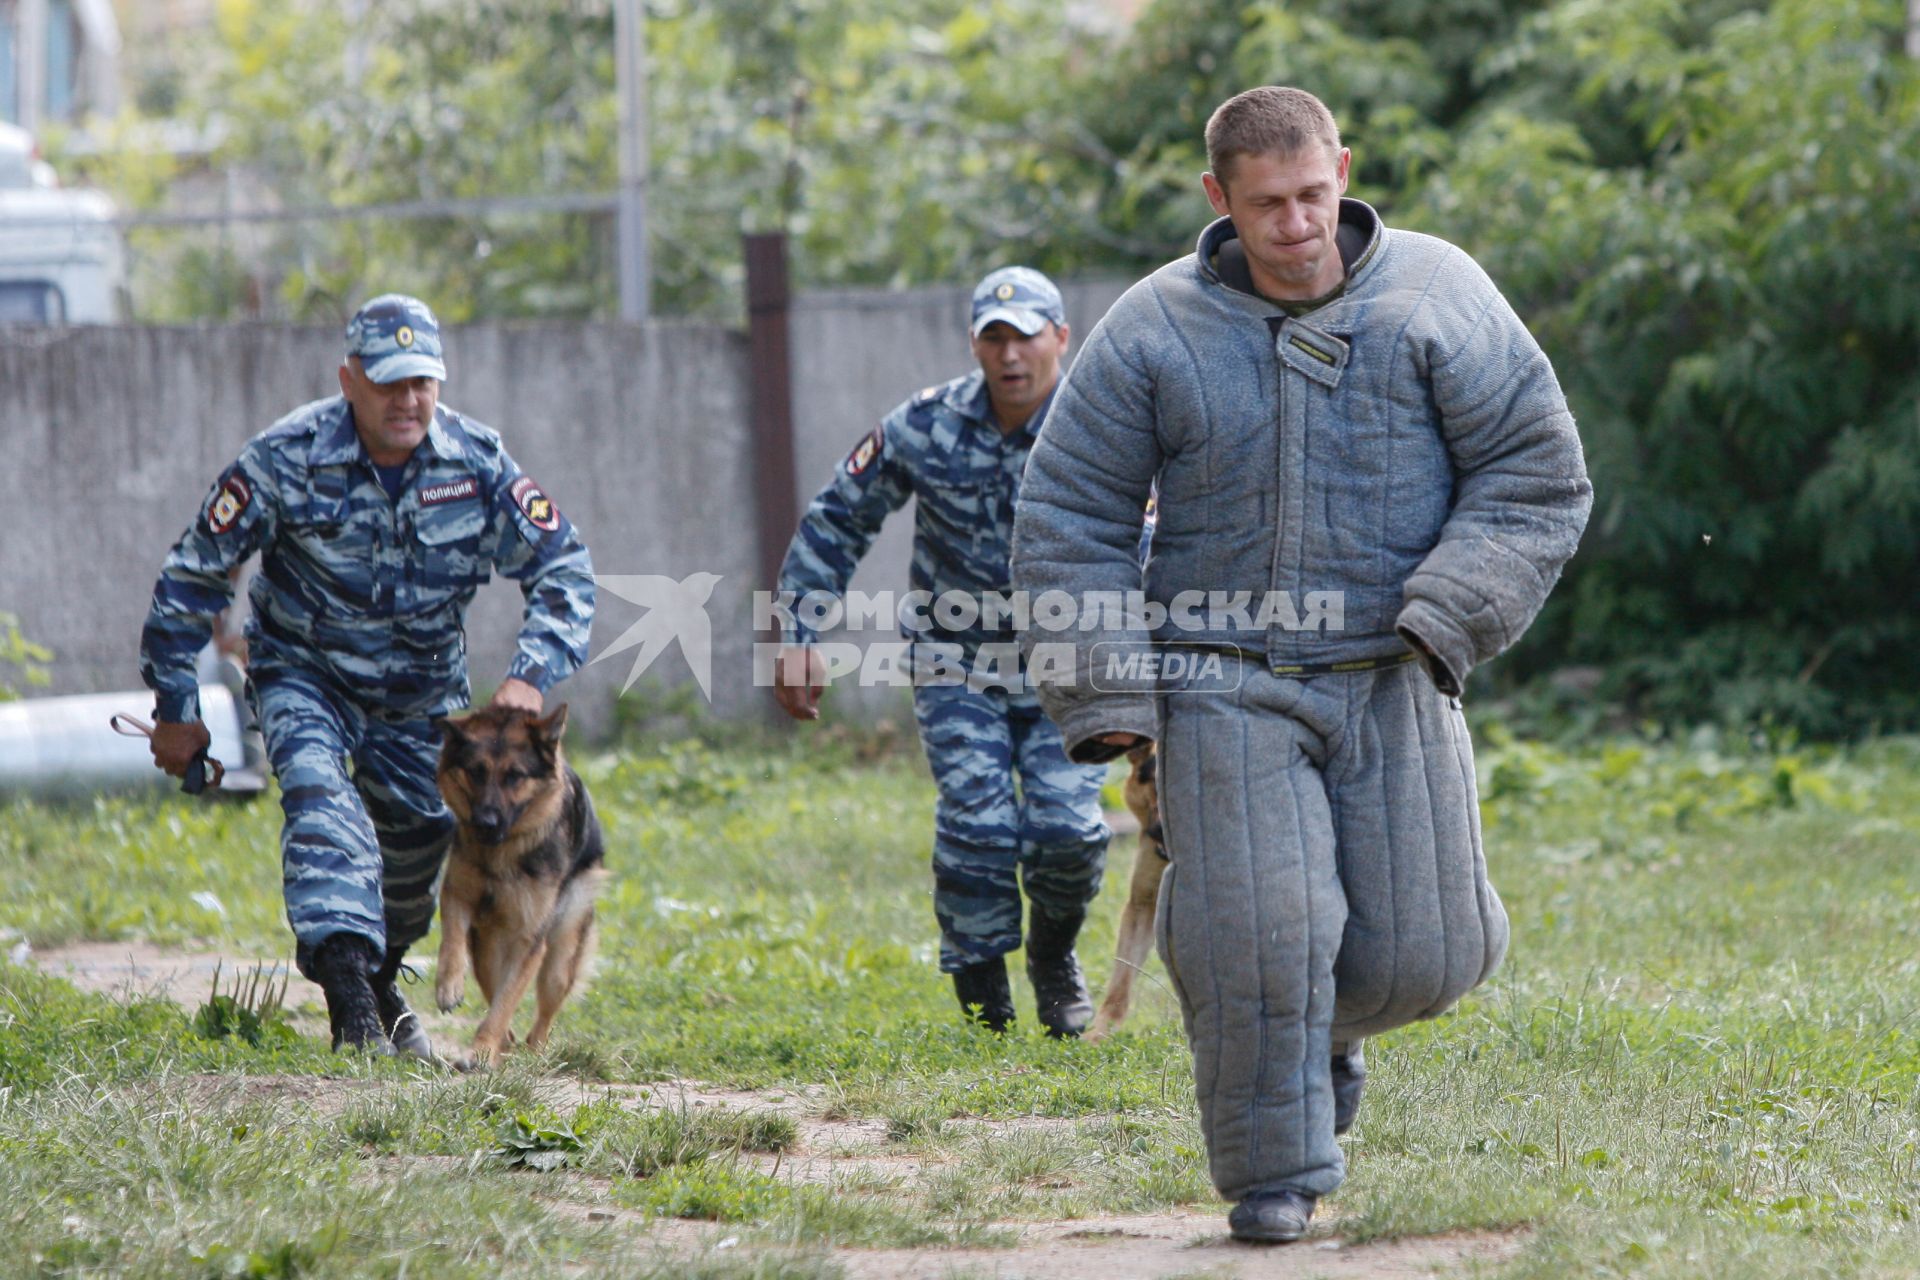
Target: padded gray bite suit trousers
<point x="1327" y="884"/>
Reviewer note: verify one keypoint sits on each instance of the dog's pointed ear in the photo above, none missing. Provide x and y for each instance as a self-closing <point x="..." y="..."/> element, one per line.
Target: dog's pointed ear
<point x="554" y="724"/>
<point x="448" y="728"/>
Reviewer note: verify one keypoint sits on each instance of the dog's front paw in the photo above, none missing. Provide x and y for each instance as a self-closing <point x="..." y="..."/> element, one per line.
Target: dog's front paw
<point x="448" y="995"/>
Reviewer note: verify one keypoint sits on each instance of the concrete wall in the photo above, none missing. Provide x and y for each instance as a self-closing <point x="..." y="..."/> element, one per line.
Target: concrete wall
<point x="112" y="437"/>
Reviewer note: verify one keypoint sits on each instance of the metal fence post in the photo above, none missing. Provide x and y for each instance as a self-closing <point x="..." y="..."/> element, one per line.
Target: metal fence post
<point x="768" y="299"/>
<point x="630" y="70"/>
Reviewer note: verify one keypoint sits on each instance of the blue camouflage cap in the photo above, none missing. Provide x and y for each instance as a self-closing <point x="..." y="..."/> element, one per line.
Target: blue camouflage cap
<point x="1021" y="297"/>
<point x="396" y="337"/>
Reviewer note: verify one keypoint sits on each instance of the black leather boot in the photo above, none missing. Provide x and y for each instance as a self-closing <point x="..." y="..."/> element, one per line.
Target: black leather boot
<point x="401" y="1024"/>
<point x="985" y="994"/>
<point x="1349" y="1078"/>
<point x="1059" y="988"/>
<point x="341" y="965"/>
<point x="1271" y="1217"/>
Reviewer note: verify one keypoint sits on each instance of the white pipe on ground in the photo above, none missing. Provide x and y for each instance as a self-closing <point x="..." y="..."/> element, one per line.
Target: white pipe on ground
<point x="63" y="746"/>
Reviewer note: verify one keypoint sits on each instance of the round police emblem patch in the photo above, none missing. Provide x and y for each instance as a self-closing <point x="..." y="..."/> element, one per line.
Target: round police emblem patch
<point x="1004" y="292"/>
<point x="536" y="506"/>
<point x="228" y="502"/>
<point x="404" y="336"/>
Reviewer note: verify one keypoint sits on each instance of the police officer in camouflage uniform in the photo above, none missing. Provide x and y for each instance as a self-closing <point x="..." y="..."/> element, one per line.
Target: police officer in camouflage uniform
<point x="1012" y="808"/>
<point x="377" y="513"/>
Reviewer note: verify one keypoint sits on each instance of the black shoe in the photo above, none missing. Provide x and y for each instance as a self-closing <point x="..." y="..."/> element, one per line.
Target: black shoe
<point x="985" y="994"/>
<point x="1349" y="1078"/>
<point x="1272" y="1217"/>
<point x="401" y="1024"/>
<point x="341" y="965"/>
<point x="1059" y="988"/>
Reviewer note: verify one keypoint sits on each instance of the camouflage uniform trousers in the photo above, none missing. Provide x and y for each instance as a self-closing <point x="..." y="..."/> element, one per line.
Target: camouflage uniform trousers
<point x="359" y="854"/>
<point x="990" y="837"/>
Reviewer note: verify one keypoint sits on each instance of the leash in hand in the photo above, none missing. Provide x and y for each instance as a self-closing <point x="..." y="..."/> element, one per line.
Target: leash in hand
<point x="196" y="779"/>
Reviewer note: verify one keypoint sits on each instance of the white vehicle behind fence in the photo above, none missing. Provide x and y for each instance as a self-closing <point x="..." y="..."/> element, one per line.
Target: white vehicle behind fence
<point x="61" y="256"/>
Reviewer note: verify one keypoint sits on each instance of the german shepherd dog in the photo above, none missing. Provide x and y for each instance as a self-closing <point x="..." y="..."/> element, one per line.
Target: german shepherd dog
<point x="527" y="860"/>
<point x="1143" y="893"/>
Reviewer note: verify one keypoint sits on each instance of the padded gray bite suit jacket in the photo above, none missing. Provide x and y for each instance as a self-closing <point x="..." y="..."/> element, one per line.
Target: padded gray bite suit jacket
<point x="1404" y="446"/>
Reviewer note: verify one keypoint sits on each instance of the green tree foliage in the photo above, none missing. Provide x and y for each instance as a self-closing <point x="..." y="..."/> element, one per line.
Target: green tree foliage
<point x="1399" y="75"/>
<point x="419" y="102"/>
<point x="1712" y="231"/>
<point x="896" y="141"/>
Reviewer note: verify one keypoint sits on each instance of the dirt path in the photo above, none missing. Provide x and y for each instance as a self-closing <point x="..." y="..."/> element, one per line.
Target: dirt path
<point x="1184" y="1245"/>
<point x="125" y="969"/>
<point x="1190" y="1244"/>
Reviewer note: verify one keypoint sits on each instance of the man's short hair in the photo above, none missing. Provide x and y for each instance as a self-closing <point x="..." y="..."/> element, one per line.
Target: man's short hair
<point x="1270" y="120"/>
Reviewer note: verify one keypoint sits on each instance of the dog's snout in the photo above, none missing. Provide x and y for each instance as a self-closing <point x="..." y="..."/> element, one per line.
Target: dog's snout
<point x="490" y="822"/>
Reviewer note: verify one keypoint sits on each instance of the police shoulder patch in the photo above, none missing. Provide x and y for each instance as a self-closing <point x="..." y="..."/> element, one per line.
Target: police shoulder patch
<point x="229" y="501"/>
<point x="864" y="453"/>
<point x="535" y="505"/>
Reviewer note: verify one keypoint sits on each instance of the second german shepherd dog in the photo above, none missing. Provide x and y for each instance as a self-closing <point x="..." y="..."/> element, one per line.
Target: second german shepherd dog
<point x="527" y="860"/>
<point x="1143" y="893"/>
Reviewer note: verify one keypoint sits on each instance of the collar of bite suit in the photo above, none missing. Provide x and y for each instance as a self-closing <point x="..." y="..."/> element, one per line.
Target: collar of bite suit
<point x="1223" y="262"/>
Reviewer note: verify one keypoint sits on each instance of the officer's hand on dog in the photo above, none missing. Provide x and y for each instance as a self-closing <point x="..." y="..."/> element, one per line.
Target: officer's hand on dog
<point x="799" y="674"/>
<point x="1121" y="739"/>
<point x="518" y="695"/>
<point x="175" y="745"/>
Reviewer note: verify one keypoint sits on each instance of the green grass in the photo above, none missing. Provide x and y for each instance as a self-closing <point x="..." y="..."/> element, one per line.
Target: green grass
<point x="1701" y="1059"/>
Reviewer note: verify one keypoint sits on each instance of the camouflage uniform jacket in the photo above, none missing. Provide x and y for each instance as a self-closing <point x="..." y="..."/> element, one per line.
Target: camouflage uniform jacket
<point x="944" y="449"/>
<point x="367" y="591"/>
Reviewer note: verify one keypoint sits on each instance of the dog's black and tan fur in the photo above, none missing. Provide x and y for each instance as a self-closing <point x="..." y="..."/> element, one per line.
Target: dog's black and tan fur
<point x="1143" y="893"/>
<point x="527" y="861"/>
